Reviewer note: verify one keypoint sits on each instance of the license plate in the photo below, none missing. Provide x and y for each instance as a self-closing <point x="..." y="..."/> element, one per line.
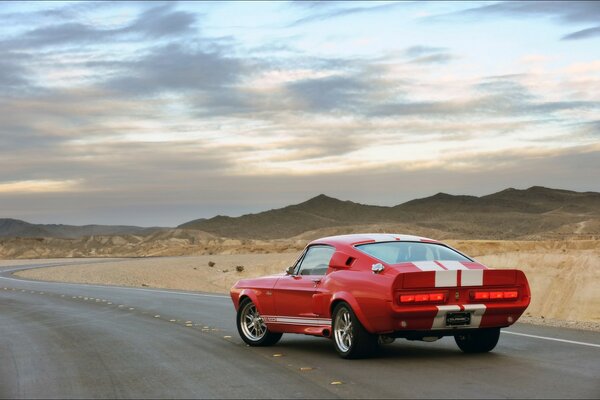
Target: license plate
<point x="458" y="319"/>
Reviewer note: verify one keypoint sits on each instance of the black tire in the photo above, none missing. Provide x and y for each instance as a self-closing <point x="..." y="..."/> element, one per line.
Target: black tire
<point x="254" y="333"/>
<point x="351" y="341"/>
<point x="478" y="341"/>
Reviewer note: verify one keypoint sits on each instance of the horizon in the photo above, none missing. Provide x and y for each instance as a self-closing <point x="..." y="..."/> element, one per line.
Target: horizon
<point x="301" y="202"/>
<point x="159" y="113"/>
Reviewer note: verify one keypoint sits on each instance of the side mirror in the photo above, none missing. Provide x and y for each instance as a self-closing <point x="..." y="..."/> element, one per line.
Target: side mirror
<point x="340" y="260"/>
<point x="290" y="270"/>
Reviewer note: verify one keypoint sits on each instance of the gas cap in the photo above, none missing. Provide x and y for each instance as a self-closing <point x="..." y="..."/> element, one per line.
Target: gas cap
<point x="377" y="268"/>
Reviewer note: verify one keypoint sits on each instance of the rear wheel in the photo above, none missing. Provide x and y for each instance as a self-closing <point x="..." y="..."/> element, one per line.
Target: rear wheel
<point x="350" y="338"/>
<point x="252" y="327"/>
<point x="478" y="341"/>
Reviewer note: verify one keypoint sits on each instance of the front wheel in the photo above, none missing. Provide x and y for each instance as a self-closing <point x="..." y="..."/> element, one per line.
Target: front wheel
<point x="350" y="338"/>
<point x="478" y="341"/>
<point x="252" y="328"/>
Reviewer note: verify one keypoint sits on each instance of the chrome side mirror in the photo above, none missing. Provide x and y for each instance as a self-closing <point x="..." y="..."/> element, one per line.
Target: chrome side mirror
<point x="290" y="270"/>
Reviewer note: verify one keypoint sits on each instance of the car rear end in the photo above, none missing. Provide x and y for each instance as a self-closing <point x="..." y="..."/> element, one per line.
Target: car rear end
<point x="444" y="302"/>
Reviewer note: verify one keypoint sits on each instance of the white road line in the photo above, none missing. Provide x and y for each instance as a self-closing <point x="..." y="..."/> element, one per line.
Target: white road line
<point x="553" y="339"/>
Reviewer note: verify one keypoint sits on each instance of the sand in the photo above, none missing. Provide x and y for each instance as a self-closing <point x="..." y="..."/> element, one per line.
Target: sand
<point x="184" y="273"/>
<point x="564" y="276"/>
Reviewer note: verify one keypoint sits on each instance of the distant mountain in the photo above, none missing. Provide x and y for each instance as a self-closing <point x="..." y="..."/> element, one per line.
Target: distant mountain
<point x="319" y="212"/>
<point x="18" y="228"/>
<point x="534" y="213"/>
<point x="512" y="213"/>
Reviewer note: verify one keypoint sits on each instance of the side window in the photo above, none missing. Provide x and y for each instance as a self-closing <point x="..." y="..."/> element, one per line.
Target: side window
<point x="316" y="260"/>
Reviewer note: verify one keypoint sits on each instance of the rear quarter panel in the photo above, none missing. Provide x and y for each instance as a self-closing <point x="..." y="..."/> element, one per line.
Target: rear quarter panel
<point x="368" y="294"/>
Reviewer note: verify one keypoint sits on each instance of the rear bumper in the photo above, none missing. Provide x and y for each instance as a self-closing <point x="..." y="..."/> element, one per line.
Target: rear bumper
<point x="433" y="317"/>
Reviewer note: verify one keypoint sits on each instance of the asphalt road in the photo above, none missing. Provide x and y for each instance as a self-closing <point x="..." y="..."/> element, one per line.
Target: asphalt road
<point x="62" y="340"/>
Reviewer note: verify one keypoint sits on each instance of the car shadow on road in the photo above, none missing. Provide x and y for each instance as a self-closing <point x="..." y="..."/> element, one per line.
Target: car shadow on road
<point x="400" y="349"/>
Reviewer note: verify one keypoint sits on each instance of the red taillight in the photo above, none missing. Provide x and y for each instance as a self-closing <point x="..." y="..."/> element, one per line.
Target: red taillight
<point x="421" y="297"/>
<point x="407" y="299"/>
<point x="481" y="295"/>
<point x="436" y="297"/>
<point x="495" y="295"/>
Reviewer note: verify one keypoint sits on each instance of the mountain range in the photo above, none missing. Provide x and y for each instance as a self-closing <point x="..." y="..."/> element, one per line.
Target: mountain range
<point x="533" y="213"/>
<point x="510" y="213"/>
<point x="17" y="228"/>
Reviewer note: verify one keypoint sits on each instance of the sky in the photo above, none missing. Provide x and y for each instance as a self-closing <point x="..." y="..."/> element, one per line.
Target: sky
<point x="153" y="114"/>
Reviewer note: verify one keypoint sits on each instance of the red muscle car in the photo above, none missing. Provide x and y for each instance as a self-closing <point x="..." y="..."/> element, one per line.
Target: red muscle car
<point x="366" y="289"/>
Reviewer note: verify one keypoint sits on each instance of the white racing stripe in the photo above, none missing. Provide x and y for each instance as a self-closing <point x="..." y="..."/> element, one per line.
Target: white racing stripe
<point x="472" y="277"/>
<point x="477" y="311"/>
<point x="452" y="265"/>
<point x="410" y="238"/>
<point x="446" y="278"/>
<point x="553" y="339"/>
<point x="275" y="319"/>
<point x="428" y="266"/>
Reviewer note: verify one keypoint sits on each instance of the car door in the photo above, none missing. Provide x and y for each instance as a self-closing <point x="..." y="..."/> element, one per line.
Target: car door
<point x="293" y="294"/>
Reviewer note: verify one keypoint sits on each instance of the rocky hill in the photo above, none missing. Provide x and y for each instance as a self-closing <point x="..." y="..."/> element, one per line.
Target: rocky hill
<point x="533" y="213"/>
<point x="16" y="228"/>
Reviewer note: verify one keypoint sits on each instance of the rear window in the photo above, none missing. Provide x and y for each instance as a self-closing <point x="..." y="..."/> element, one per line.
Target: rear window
<point x="400" y="252"/>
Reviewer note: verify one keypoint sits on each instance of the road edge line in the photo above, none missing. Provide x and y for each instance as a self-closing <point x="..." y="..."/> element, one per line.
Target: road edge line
<point x="553" y="339"/>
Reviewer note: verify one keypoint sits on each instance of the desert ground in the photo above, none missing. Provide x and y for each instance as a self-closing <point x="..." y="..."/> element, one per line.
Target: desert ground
<point x="564" y="275"/>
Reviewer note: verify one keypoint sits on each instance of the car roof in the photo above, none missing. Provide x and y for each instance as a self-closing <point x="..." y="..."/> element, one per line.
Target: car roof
<point x="358" y="238"/>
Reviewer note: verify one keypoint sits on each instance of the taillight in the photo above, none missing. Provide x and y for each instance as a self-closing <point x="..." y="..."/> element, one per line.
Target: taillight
<point x="422" y="297"/>
<point x="494" y="295"/>
<point x="481" y="295"/>
<point x="407" y="298"/>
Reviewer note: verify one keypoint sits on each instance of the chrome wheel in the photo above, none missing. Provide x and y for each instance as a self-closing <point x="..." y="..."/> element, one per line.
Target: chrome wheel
<point x="343" y="330"/>
<point x="252" y="324"/>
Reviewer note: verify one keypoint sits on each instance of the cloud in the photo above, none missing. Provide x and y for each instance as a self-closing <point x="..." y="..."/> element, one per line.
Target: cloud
<point x="572" y="11"/>
<point x="326" y="12"/>
<point x="428" y="55"/>
<point x="502" y="96"/>
<point x="329" y="93"/>
<point x="176" y="68"/>
<point x="13" y="73"/>
<point x="583" y="34"/>
<point x="161" y="22"/>
<point x="440" y="58"/>
<point x="37" y="186"/>
<point x="503" y="105"/>
<point x="155" y="23"/>
<point x="420" y="51"/>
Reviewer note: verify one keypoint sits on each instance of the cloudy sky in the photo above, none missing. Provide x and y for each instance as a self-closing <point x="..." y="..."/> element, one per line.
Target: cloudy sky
<point x="158" y="113"/>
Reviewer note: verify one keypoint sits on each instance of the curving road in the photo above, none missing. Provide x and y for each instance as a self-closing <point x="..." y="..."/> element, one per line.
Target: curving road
<point x="62" y="340"/>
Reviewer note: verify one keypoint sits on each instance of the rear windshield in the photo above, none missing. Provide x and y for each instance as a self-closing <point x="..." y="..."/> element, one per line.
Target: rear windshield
<point x="399" y="252"/>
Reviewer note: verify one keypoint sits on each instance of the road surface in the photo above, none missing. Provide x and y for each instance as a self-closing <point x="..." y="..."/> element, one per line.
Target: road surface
<point x="60" y="340"/>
